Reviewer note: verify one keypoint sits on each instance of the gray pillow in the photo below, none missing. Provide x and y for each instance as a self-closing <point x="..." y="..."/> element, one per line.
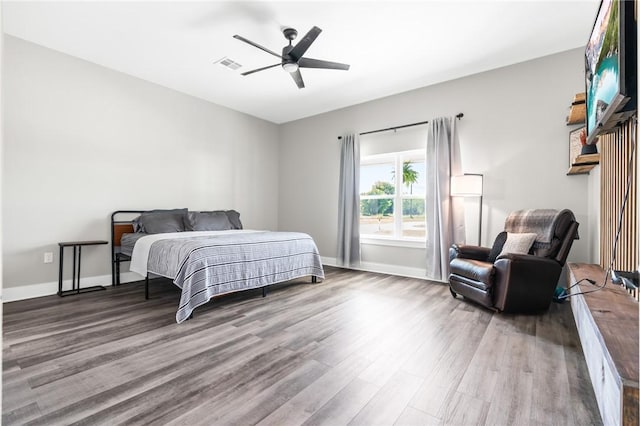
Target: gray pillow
<point x="234" y="218"/>
<point x="160" y="221"/>
<point x="209" y="221"/>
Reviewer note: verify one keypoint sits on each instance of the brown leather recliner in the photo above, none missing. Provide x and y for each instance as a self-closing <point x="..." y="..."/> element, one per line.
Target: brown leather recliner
<point x="520" y="283"/>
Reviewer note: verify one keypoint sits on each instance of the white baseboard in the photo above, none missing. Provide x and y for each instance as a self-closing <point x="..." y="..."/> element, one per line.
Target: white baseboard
<point x="383" y="268"/>
<point x="11" y="294"/>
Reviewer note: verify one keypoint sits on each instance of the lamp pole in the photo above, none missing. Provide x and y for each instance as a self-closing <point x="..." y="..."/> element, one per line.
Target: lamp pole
<point x="480" y="224"/>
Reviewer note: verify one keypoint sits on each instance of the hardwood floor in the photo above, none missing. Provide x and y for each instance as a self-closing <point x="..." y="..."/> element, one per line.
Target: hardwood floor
<point x="359" y="348"/>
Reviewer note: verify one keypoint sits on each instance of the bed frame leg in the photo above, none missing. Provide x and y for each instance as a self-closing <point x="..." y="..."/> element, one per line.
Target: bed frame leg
<point x="117" y="275"/>
<point x="146" y="287"/>
<point x="314" y="279"/>
<point x="264" y="291"/>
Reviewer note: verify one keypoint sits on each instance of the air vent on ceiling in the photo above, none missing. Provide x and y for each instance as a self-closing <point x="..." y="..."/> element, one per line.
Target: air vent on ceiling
<point x="228" y="63"/>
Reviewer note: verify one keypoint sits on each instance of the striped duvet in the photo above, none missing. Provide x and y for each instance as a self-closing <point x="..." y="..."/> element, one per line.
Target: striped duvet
<point x="206" y="264"/>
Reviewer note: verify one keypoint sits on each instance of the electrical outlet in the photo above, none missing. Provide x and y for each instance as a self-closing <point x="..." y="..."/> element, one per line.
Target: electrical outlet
<point x="48" y="257"/>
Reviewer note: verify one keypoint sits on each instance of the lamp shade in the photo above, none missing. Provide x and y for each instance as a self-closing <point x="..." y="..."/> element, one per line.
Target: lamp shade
<point x="466" y="185"/>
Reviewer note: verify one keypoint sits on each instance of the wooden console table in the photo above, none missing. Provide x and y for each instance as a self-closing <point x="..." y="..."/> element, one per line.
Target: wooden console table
<point x="607" y="323"/>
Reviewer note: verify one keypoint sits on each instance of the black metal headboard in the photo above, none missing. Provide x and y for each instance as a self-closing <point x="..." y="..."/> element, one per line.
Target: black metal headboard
<point x="118" y="227"/>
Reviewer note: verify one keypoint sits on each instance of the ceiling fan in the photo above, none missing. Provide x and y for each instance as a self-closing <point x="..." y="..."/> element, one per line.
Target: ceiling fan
<point x="292" y="56"/>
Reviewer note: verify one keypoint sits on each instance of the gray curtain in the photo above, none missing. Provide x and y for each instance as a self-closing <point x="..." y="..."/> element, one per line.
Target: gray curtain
<point x="349" y="202"/>
<point x="444" y="214"/>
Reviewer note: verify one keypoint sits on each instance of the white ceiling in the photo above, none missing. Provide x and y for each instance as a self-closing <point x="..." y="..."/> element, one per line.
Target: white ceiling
<point x="391" y="46"/>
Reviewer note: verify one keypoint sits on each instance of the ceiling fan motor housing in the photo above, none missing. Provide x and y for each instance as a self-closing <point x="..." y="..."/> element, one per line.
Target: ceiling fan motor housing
<point x="289" y="64"/>
<point x="285" y="54"/>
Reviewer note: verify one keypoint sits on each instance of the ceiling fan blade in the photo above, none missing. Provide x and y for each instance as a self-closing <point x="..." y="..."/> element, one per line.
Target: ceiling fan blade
<point x="302" y="46"/>
<point x="261" y="69"/>
<point x="256" y="45"/>
<point x="317" y="63"/>
<point x="297" y="77"/>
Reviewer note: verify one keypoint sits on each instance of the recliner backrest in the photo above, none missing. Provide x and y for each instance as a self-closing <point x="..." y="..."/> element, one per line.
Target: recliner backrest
<point x="567" y="242"/>
<point x="556" y="230"/>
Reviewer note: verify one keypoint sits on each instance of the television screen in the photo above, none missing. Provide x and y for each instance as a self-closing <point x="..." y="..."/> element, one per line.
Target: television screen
<point x="610" y="70"/>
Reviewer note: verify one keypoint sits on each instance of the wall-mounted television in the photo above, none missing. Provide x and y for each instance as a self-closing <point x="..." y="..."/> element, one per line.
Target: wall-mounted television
<point x="611" y="68"/>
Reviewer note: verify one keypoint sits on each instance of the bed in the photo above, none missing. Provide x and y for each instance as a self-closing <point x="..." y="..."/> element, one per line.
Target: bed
<point x="207" y="254"/>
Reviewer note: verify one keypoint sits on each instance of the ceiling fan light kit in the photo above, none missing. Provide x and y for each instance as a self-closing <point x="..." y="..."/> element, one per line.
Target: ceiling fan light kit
<point x="290" y="66"/>
<point x="292" y="56"/>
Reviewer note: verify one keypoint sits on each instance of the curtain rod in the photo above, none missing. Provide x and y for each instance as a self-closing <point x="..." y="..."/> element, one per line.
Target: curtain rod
<point x="458" y="116"/>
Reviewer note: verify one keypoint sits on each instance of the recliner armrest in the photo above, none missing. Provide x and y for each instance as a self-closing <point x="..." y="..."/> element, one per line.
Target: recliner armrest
<point x="468" y="252"/>
<point x="524" y="283"/>
<point x="517" y="257"/>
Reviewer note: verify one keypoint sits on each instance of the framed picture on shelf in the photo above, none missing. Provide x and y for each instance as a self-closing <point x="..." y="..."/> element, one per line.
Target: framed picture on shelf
<point x="575" y="146"/>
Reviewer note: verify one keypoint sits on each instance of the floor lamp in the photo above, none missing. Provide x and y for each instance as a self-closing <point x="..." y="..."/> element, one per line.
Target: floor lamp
<point x="469" y="185"/>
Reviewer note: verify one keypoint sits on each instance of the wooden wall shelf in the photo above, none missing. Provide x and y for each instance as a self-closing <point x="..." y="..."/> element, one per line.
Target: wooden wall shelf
<point x="584" y="163"/>
<point x="578" y="110"/>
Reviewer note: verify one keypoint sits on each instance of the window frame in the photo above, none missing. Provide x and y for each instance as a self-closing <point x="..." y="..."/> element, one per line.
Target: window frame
<point x="396" y="159"/>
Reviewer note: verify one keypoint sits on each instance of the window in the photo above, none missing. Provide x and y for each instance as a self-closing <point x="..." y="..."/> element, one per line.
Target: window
<point x="392" y="196"/>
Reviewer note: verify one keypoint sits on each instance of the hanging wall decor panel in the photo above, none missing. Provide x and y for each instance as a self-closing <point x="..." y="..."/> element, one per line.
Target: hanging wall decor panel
<point x="616" y="164"/>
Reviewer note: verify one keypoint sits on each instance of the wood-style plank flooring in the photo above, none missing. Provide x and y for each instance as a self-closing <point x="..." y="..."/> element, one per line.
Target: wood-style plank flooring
<point x="359" y="348"/>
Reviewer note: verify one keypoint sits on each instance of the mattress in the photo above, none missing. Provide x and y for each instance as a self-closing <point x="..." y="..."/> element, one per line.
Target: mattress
<point x="128" y="241"/>
<point x="205" y="264"/>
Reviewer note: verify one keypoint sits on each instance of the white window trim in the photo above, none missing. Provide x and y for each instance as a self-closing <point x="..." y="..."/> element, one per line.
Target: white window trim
<point x="392" y="242"/>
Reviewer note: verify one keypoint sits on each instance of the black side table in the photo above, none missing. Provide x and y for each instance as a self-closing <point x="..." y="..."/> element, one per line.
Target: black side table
<point x="77" y="252"/>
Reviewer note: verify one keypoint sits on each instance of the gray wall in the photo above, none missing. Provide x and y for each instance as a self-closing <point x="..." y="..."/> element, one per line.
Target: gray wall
<point x="81" y="141"/>
<point x="513" y="132"/>
<point x="1" y="155"/>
